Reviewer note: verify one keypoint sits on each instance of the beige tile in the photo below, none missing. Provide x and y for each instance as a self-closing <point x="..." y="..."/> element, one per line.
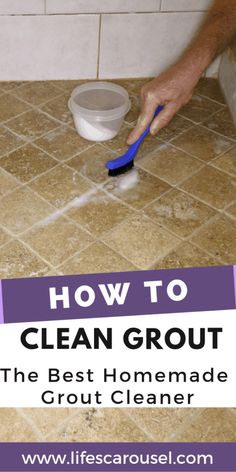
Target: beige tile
<point x="58" y="108"/>
<point x="100" y="213"/>
<point x="27" y="162"/>
<point x="134" y="112"/>
<point x="97" y="258"/>
<point x="4" y="237"/>
<point x="137" y="187"/>
<point x="210" y="88"/>
<point x="199" y="108"/>
<point x="10" y="106"/>
<point x="7" y="183"/>
<point x="162" y="424"/>
<point x="141" y="241"/>
<point x="60" y="186"/>
<point x="98" y="425"/>
<point x="177" y="125"/>
<point x="21" y="209"/>
<point x="36" y="93"/>
<point x="46" y="420"/>
<point x="222" y="123"/>
<point x="62" y="143"/>
<point x="202" y="143"/>
<point x="214" y="425"/>
<point x="219" y="239"/>
<point x="132" y="85"/>
<point x="18" y="261"/>
<point x="57" y="240"/>
<point x="232" y="210"/>
<point x="32" y="124"/>
<point x="10" y="85"/>
<point x="68" y="85"/>
<point x="179" y="213"/>
<point x="14" y="427"/>
<point x="227" y="162"/>
<point x="8" y="141"/>
<point x="186" y="255"/>
<point x="170" y="164"/>
<point x="119" y="143"/>
<point x="91" y="162"/>
<point x="212" y="186"/>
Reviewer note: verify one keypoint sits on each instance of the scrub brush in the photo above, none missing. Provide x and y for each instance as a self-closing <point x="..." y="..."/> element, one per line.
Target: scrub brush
<point x="125" y="162"/>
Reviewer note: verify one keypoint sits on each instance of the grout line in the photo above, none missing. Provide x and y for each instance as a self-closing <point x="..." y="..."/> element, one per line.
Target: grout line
<point x="99" y="45"/>
<point x="21" y="412"/>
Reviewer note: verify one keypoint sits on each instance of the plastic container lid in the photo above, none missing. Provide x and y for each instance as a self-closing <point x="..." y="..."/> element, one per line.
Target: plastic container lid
<point x="99" y="101"/>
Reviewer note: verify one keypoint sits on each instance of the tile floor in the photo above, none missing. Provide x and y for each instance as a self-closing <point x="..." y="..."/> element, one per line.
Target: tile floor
<point x="61" y="214"/>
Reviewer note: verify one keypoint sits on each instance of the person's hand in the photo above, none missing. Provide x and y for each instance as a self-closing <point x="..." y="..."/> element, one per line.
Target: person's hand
<point x="173" y="89"/>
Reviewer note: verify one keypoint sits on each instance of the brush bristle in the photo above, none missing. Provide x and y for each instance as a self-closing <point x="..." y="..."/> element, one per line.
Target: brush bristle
<point x="121" y="170"/>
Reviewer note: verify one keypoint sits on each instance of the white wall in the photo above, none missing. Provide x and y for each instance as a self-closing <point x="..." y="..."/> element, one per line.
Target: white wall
<point x="73" y="39"/>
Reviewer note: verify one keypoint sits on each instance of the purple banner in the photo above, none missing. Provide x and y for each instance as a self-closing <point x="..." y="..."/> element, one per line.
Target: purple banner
<point x="82" y="296"/>
<point x="125" y="457"/>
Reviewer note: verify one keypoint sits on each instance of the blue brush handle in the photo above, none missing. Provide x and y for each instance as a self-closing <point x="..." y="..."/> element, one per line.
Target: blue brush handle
<point x="147" y="130"/>
<point x="133" y="148"/>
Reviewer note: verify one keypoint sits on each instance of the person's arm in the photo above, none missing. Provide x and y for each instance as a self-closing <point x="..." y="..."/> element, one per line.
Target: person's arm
<point x="175" y="87"/>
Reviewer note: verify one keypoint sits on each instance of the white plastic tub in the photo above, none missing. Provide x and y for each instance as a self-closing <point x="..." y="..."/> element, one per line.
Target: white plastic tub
<point x="98" y="109"/>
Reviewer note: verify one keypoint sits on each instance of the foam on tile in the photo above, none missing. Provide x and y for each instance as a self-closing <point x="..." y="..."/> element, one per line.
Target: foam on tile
<point x="128" y="181"/>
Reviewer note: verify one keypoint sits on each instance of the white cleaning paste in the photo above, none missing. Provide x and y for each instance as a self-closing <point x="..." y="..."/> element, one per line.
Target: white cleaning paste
<point x="128" y="181"/>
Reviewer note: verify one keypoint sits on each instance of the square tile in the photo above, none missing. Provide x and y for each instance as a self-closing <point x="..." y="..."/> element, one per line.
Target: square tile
<point x="27" y="7"/>
<point x="10" y="106"/>
<point x="178" y="125"/>
<point x="60" y="186"/>
<point x="213" y="425"/>
<point x="68" y="85"/>
<point x="46" y="420"/>
<point x="219" y="239"/>
<point x="222" y="123"/>
<point x="62" y="143"/>
<point x="7" y="183"/>
<point x="97" y="258"/>
<point x="179" y="213"/>
<point x="4" y="237"/>
<point x="81" y="6"/>
<point x="27" y="162"/>
<point x="91" y="162"/>
<point x="170" y="164"/>
<point x="17" y="261"/>
<point x="36" y="92"/>
<point x="232" y="210"/>
<point x="32" y="124"/>
<point x="100" y="213"/>
<point x="199" y="108"/>
<point x="58" y="109"/>
<point x="8" y="85"/>
<point x="210" y="88"/>
<point x="119" y="143"/>
<point x="212" y="186"/>
<point x="8" y="141"/>
<point x="43" y="51"/>
<point x="227" y="162"/>
<point x="21" y="209"/>
<point x="103" y="424"/>
<point x="130" y="36"/>
<point x="14" y="427"/>
<point x="186" y="255"/>
<point x="202" y="143"/>
<point x="136" y="188"/>
<point x="141" y="241"/>
<point x="161" y="423"/>
<point x="134" y="112"/>
<point x="57" y="240"/>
